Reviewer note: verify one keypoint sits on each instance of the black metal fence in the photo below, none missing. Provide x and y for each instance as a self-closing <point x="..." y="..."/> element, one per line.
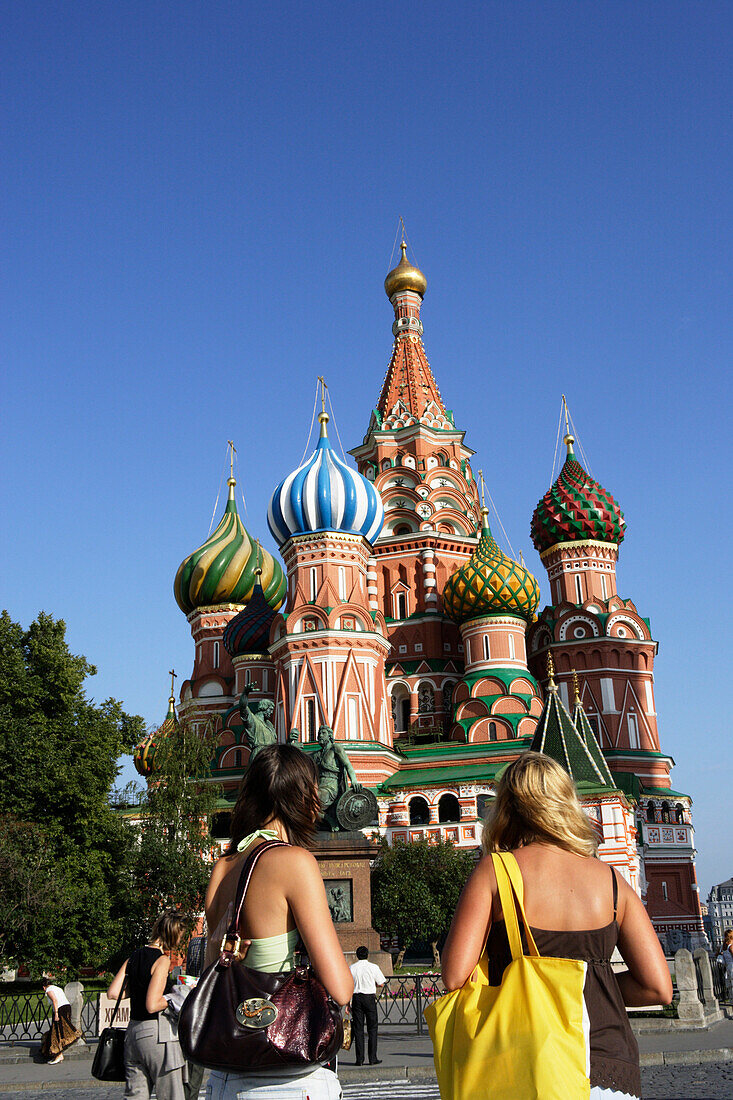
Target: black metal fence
<point x="27" y="1016"/>
<point x="403" y="999"/>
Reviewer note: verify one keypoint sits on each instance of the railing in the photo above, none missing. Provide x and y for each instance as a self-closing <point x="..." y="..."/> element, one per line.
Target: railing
<point x="27" y="1015"/>
<point x="720" y="984"/>
<point x="404" y="999"/>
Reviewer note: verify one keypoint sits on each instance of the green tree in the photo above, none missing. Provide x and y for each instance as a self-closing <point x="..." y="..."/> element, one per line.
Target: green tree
<point x="415" y="890"/>
<point x="58" y="761"/>
<point x="170" y="864"/>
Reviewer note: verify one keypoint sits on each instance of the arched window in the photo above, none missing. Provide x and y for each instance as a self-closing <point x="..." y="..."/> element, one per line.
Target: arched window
<point x="679" y="814"/>
<point x="216" y="654"/>
<point x="310" y="719"/>
<point x="221" y="825"/>
<point x="666" y="814"/>
<point x="425" y="699"/>
<point x="402" y="530"/>
<point x="400" y="604"/>
<point x="492" y="731"/>
<point x="449" y="808"/>
<point x="487" y="648"/>
<point x="237" y="758"/>
<point x="651" y="811"/>
<point x="419" y="811"/>
<point x="483" y="801"/>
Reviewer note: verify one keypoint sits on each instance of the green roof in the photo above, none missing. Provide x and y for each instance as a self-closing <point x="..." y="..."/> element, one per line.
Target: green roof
<point x="585" y="730"/>
<point x="665" y="792"/>
<point x="628" y="783"/>
<point x="557" y="737"/>
<point x="486" y="771"/>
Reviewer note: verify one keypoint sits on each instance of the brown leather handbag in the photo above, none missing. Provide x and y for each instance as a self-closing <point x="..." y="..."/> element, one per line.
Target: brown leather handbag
<point x="238" y="1019"/>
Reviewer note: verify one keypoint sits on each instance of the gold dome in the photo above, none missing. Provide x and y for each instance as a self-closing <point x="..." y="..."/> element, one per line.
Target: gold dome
<point x="405" y="277"/>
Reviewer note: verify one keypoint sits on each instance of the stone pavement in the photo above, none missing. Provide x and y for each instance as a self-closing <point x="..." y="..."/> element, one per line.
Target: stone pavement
<point x="703" y="1082"/>
<point x="676" y="1066"/>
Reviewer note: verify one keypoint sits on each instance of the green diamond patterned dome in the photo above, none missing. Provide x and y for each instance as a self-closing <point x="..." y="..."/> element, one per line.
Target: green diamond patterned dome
<point x="223" y="569"/>
<point x="490" y="583"/>
<point x="576" y="508"/>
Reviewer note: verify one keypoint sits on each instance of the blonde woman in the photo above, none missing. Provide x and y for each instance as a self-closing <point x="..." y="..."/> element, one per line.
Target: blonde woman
<point x="577" y="907"/>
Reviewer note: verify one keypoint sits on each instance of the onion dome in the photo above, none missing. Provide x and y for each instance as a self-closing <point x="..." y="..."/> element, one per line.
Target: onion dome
<point x="249" y="631"/>
<point x="576" y="508"/>
<point x="490" y="583"/>
<point x="144" y="754"/>
<point x="223" y="569"/>
<point x="405" y="277"/>
<point x="324" y="494"/>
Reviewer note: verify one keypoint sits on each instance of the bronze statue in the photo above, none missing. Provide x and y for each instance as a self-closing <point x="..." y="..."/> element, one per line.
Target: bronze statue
<point x="258" y="728"/>
<point x="342" y="807"/>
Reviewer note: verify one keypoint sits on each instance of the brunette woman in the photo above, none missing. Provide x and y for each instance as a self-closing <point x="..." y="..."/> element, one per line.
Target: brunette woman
<point x="62" y="1032"/>
<point x="285" y="900"/>
<point x="153" y="1056"/>
<point x="588" y="906"/>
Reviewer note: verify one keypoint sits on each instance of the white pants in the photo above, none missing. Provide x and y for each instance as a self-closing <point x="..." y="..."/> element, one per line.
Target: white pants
<point x="609" y="1094"/>
<point x="317" y="1084"/>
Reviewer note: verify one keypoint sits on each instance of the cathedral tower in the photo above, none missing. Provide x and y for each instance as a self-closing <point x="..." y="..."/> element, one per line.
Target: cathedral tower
<point x="417" y="460"/>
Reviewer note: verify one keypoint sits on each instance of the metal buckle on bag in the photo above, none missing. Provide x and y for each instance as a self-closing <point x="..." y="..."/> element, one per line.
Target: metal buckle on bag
<point x="236" y="941"/>
<point x="257" y="1012"/>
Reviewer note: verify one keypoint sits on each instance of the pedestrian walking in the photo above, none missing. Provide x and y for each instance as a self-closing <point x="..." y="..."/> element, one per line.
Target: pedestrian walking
<point x="62" y="1032"/>
<point x="153" y="1056"/>
<point x="367" y="976"/>
<point x="726" y="959"/>
<point x="546" y="849"/>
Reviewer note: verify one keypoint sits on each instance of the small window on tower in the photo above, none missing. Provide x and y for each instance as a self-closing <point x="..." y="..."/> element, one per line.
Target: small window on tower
<point x="487" y="648"/>
<point x="400" y="605"/>
<point x="216" y="654"/>
<point x="314" y="582"/>
<point x="578" y="588"/>
<point x="342" y="583"/>
<point x="604" y="586"/>
<point x="512" y="653"/>
<point x="664" y="891"/>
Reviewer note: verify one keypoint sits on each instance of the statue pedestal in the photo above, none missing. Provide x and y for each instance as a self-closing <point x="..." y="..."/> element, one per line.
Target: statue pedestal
<point x="343" y="859"/>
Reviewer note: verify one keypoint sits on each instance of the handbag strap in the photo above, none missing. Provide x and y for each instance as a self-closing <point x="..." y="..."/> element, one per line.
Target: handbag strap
<point x="227" y="954"/>
<point x="119" y="998"/>
<point x="511" y="895"/>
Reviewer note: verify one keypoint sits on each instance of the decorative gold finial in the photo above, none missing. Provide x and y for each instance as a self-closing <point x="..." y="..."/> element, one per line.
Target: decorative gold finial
<point x="231" y="480"/>
<point x="172" y="699"/>
<point x="405" y="276"/>
<point x="576" y="688"/>
<point x="323" y="416"/>
<point x="258" y="570"/>
<point x="551" y="671"/>
<point x="484" y="509"/>
<point x="521" y="559"/>
<point x="569" y="440"/>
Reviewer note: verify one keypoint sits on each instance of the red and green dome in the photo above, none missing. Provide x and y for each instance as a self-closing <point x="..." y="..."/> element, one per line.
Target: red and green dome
<point x="490" y="583"/>
<point x="223" y="569"/>
<point x="249" y="631"/>
<point x="144" y="754"/>
<point x="576" y="508"/>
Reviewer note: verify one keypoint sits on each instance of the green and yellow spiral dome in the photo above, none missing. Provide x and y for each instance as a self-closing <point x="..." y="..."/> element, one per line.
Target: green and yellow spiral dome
<point x="223" y="569"/>
<point x="490" y="583"/>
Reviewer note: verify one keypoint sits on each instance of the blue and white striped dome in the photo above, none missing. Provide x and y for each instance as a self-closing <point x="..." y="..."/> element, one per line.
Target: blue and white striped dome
<point x="324" y="494"/>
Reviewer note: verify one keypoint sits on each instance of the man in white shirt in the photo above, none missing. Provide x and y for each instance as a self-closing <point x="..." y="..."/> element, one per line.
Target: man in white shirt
<point x="367" y="976"/>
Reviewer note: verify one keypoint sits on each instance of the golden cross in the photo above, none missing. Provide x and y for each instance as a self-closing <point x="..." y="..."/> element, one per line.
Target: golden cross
<point x="324" y="387"/>
<point x="232" y="452"/>
<point x="565" y="410"/>
<point x="481" y="483"/>
<point x="575" y="686"/>
<point x="172" y="674"/>
<point x="551" y="670"/>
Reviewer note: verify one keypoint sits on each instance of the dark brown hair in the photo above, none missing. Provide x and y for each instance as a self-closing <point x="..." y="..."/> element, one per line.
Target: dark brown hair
<point x="169" y="929"/>
<point x="280" y="782"/>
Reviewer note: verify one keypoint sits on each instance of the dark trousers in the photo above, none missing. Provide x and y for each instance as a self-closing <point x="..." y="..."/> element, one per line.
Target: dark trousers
<point x="364" y="1008"/>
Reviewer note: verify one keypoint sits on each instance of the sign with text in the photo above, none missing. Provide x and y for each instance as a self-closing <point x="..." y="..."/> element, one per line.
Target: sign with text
<point x="106" y="1012"/>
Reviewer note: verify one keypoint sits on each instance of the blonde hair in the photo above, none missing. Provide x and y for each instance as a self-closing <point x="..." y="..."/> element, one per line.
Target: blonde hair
<point x="536" y="800"/>
<point x="169" y="929"/>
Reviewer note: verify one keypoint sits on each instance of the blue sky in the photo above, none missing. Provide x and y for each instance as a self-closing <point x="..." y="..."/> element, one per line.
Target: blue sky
<point x="200" y="203"/>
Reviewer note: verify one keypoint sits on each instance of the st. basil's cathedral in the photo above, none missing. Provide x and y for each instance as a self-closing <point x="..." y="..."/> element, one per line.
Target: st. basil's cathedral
<point x="399" y="622"/>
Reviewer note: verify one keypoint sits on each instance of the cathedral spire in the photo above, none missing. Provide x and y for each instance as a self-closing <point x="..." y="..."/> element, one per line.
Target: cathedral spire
<point x="409" y="395"/>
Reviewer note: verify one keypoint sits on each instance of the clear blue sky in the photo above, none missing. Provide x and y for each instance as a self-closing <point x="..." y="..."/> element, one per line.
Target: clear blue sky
<point x="200" y="203"/>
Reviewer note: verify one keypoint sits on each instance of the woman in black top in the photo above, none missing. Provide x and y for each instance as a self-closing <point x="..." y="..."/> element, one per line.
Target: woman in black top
<point x="153" y="1058"/>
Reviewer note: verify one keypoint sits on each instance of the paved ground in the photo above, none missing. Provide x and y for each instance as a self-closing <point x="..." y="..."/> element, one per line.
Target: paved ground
<point x="705" y="1082"/>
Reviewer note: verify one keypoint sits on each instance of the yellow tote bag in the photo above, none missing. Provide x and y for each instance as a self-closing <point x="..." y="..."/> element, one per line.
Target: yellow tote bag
<point x="522" y="1040"/>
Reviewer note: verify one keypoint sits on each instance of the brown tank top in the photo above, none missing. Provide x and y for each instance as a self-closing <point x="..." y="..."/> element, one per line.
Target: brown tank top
<point x="614" y="1053"/>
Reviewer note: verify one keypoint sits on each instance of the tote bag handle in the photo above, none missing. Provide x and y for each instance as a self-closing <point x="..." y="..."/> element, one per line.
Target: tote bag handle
<point x="511" y="887"/>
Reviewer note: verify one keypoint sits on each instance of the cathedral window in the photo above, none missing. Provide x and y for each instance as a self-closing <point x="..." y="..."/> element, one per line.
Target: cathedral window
<point x="578" y="588"/>
<point x="487" y="648"/>
<point x="419" y="811"/>
<point x="400" y="605"/>
<point x="425" y="699"/>
<point x="216" y="654"/>
<point x="310" y="719"/>
<point x="604" y="586"/>
<point x="449" y="808"/>
<point x="492" y="731"/>
<point x="353" y="717"/>
<point x="247" y="676"/>
<point x="512" y="653"/>
<point x="679" y="813"/>
<point x="651" y="812"/>
<point x="314" y="582"/>
<point x="633" y="731"/>
<point x="483" y="801"/>
<point x="342" y="583"/>
<point x="666" y="814"/>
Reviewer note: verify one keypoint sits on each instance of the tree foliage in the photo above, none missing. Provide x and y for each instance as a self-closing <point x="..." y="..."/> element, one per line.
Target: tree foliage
<point x="415" y="890"/>
<point x="58" y="760"/>
<point x="171" y="861"/>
